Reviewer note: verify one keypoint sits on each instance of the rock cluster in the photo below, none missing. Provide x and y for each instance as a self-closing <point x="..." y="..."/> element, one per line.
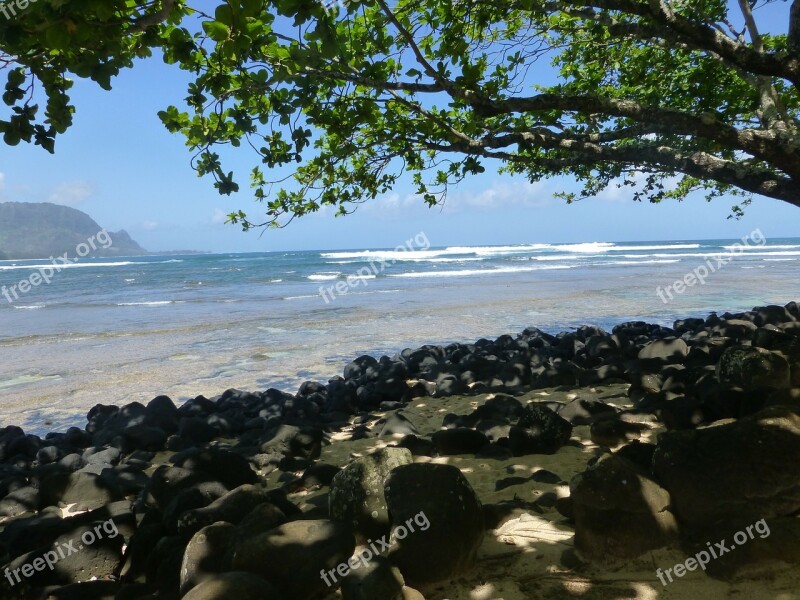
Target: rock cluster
<point x="185" y="486"/>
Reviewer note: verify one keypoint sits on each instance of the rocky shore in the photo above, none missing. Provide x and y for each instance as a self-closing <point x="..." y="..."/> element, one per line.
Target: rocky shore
<point x="587" y="464"/>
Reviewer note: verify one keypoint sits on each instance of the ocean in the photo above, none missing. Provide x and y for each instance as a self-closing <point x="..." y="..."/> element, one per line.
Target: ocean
<point x="116" y="330"/>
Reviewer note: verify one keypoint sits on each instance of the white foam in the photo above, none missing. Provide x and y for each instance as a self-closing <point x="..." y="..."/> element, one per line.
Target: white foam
<point x="490" y="250"/>
<point x="781" y="253"/>
<point x="706" y="254"/>
<point x="432" y="259"/>
<point x="450" y="260"/>
<point x="31" y="307"/>
<point x="153" y="303"/>
<point x="640" y="262"/>
<point x="26" y="379"/>
<point x="395" y="255"/>
<point x="763" y="247"/>
<point x="599" y="247"/>
<point x="558" y="257"/>
<point x="324" y="276"/>
<point x="587" y="247"/>
<point x="665" y="247"/>
<point x="386" y="255"/>
<point x="471" y="272"/>
<point x="60" y="266"/>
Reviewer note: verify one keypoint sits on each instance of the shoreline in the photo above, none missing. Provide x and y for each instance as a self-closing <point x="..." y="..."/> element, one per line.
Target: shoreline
<point x="250" y="364"/>
<point x="127" y="332"/>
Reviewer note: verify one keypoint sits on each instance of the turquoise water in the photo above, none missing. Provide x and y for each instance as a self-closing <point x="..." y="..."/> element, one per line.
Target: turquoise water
<point x="117" y="330"/>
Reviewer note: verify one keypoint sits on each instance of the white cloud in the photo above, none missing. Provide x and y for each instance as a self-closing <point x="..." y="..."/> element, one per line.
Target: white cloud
<point x="150" y="225"/>
<point x="71" y="193"/>
<point x="393" y="202"/>
<point x="499" y="195"/>
<point x="502" y="195"/>
<point x="219" y="216"/>
<point x="614" y="193"/>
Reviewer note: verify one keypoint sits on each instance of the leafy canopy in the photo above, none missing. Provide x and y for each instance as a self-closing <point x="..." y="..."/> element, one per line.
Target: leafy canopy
<point x="337" y="104"/>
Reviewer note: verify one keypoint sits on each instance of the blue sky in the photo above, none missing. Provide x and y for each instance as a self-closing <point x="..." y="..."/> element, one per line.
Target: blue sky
<point x="122" y="167"/>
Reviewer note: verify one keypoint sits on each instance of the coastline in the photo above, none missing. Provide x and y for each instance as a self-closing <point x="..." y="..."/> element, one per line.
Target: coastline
<point x="617" y="393"/>
<point x="138" y="352"/>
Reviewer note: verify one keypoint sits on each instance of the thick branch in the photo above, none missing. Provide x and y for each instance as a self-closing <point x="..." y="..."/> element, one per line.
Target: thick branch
<point x="661" y="158"/>
<point x="375" y="84"/>
<point x="762" y="144"/>
<point x="149" y="21"/>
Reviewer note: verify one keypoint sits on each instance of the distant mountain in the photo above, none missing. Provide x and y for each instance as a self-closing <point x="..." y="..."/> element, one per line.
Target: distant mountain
<point x="42" y="229"/>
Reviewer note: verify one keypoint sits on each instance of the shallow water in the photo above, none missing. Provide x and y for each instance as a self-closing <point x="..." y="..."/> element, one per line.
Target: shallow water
<point x="116" y="330"/>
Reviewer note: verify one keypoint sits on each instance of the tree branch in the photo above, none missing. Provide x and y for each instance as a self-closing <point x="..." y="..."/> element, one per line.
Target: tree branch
<point x="750" y="23"/>
<point x="662" y="158"/>
<point x="398" y="86"/>
<point x="763" y="144"/>
<point x="773" y="113"/>
<point x="700" y="35"/>
<point x="149" y="21"/>
<point x="433" y="73"/>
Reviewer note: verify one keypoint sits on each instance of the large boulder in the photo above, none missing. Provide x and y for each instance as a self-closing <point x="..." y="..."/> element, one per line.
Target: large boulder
<point x="461" y="440"/>
<point x="437" y="521"/>
<point x="241" y="586"/>
<point x="290" y="440"/>
<point x="754" y="549"/>
<point x="167" y="482"/>
<point x="90" y="550"/>
<point x="664" y="352"/>
<point x="379" y="580"/>
<point x="86" y="491"/>
<point x="357" y="491"/>
<point x="749" y="469"/>
<point x="583" y="411"/>
<point x="230" y="469"/>
<point x="292" y="556"/>
<point x="539" y="431"/>
<point x="231" y="508"/>
<point x="753" y="368"/>
<point x="619" y="512"/>
<point x="208" y="553"/>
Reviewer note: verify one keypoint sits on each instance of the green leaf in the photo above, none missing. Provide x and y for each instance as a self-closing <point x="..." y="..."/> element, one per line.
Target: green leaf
<point x="219" y="32"/>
